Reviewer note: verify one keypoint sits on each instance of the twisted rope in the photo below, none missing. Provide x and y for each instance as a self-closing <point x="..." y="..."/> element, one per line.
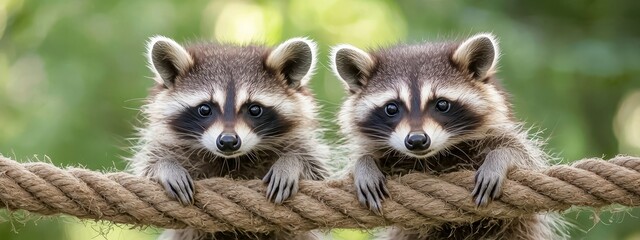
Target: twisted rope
<point x="224" y="204"/>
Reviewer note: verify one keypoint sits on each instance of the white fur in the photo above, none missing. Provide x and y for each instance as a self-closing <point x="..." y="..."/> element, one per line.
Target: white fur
<point x="498" y="101"/>
<point x="210" y="137"/>
<point x="461" y="93"/>
<point x="181" y="58"/>
<point x="219" y="96"/>
<point x="291" y="106"/>
<point x="242" y="97"/>
<point x="168" y="104"/>
<point x="438" y="135"/>
<point x="397" y="137"/>
<point x="375" y="100"/>
<point x="439" y="138"/>
<point x="283" y="52"/>
<point x="362" y="59"/>
<point x="404" y="94"/>
<point x="249" y="138"/>
<point x="463" y="53"/>
<point x="426" y="93"/>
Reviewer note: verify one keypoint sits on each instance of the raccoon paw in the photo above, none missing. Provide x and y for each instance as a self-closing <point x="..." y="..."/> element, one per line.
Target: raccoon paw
<point x="371" y="191"/>
<point x="282" y="184"/>
<point x="488" y="186"/>
<point x="178" y="183"/>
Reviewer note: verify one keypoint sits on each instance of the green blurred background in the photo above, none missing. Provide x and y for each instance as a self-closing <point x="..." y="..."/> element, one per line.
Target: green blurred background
<point x="72" y="74"/>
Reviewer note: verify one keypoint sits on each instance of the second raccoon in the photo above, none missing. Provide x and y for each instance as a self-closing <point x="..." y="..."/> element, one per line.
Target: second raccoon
<point x="436" y="107"/>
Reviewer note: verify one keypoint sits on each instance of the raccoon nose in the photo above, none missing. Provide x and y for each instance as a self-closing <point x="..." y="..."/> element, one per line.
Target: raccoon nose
<point x="228" y="142"/>
<point x="417" y="141"/>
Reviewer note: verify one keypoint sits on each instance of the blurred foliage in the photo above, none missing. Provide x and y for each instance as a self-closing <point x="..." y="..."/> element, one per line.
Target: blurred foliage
<point x="72" y="75"/>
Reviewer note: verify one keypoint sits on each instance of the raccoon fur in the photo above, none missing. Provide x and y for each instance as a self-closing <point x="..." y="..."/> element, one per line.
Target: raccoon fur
<point x="436" y="107"/>
<point x="220" y="110"/>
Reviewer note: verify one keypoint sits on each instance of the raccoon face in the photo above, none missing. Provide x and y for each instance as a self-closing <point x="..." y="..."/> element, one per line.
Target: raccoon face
<point x="419" y="100"/>
<point x="230" y="100"/>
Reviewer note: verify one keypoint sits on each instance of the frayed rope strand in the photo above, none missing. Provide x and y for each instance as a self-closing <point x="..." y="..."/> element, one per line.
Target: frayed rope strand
<point x="222" y="204"/>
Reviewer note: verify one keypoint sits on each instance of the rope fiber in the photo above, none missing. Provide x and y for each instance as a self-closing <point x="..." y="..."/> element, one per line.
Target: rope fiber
<point x="223" y="204"/>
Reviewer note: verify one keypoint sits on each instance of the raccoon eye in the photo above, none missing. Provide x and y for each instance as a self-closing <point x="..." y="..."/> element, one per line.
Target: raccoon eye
<point x="443" y="106"/>
<point x="204" y="110"/>
<point x="391" y="109"/>
<point x="255" y="110"/>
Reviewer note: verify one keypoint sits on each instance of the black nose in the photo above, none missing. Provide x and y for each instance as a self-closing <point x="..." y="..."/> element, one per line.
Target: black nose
<point x="228" y="142"/>
<point x="416" y="141"/>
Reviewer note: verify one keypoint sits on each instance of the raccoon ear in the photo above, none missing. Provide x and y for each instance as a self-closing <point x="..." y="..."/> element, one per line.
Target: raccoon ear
<point x="478" y="55"/>
<point x="351" y="65"/>
<point x="295" y="59"/>
<point x="167" y="60"/>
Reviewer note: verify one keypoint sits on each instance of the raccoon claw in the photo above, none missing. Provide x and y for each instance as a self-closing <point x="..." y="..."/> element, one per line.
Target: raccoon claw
<point x="488" y="186"/>
<point x="281" y="184"/>
<point x="371" y="192"/>
<point x="178" y="183"/>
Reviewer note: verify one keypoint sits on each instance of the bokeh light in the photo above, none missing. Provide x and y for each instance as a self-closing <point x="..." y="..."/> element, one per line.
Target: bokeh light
<point x="243" y="22"/>
<point x="627" y="124"/>
<point x="361" y="23"/>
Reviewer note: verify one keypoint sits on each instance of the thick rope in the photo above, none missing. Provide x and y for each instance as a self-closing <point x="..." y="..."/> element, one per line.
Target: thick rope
<point x="223" y="204"/>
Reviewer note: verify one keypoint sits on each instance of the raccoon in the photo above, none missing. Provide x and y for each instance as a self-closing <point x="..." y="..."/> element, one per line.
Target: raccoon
<point x="221" y="110"/>
<point x="436" y="107"/>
